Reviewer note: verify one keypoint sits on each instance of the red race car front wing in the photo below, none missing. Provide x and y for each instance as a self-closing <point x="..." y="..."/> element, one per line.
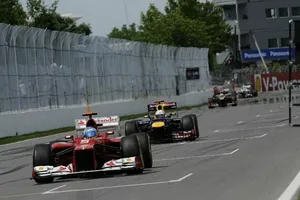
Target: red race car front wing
<point x="123" y="164"/>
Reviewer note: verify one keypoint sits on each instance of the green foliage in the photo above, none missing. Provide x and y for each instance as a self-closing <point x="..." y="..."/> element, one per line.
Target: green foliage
<point x="185" y="23"/>
<point x="43" y="16"/>
<point x="127" y="33"/>
<point x="217" y="31"/>
<point x="12" y="12"/>
<point x="39" y="15"/>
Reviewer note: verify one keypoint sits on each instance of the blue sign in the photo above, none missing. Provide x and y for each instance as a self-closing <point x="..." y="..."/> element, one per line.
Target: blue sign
<point x="268" y="54"/>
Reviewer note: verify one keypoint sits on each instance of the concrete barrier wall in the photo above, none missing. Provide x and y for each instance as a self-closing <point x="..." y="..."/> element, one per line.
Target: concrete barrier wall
<point x="29" y="122"/>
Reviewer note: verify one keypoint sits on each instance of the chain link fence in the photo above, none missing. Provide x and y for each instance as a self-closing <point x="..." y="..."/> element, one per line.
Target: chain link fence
<point x="48" y="69"/>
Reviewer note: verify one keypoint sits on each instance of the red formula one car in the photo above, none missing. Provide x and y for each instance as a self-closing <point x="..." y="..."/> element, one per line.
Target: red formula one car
<point x="78" y="155"/>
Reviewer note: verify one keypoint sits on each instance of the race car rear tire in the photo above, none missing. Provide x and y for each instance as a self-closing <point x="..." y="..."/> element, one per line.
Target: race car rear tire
<point x="254" y="93"/>
<point x="130" y="128"/>
<point x="187" y="124"/>
<point x="41" y="157"/>
<point x="131" y="147"/>
<point x="144" y="141"/>
<point x="210" y="102"/>
<point x="195" y="121"/>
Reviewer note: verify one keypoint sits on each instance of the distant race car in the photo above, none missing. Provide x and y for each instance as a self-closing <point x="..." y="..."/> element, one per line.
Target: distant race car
<point x="222" y="97"/>
<point x="80" y="155"/>
<point x="168" y="127"/>
<point x="247" y="91"/>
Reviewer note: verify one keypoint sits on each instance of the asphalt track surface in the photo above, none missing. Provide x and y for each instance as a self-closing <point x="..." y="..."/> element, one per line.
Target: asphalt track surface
<point x="245" y="152"/>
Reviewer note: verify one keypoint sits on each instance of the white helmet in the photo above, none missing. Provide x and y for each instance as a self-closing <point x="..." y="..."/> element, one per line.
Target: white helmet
<point x="160" y="114"/>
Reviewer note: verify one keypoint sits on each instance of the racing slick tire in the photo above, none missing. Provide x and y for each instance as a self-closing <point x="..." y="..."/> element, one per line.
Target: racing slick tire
<point x="41" y="157"/>
<point x="144" y="141"/>
<point x="130" y="128"/>
<point x="254" y="93"/>
<point x="210" y="102"/>
<point x="195" y="121"/>
<point x="187" y="124"/>
<point x="131" y="147"/>
<point x="222" y="103"/>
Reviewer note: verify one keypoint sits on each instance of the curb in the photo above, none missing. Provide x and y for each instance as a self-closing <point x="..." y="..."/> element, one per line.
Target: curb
<point x="292" y="191"/>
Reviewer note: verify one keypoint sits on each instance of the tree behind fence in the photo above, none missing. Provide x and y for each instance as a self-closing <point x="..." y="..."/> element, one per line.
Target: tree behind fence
<point x="48" y="69"/>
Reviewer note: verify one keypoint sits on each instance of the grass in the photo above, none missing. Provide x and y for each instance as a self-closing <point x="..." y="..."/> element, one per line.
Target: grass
<point x="12" y="139"/>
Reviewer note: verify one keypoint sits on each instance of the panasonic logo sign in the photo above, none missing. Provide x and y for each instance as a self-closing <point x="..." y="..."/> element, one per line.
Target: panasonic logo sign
<point x="279" y="53"/>
<point x="254" y="55"/>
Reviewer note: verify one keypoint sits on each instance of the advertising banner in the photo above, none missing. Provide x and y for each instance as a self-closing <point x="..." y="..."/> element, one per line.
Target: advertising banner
<point x="268" y="54"/>
<point x="192" y="73"/>
<point x="274" y="81"/>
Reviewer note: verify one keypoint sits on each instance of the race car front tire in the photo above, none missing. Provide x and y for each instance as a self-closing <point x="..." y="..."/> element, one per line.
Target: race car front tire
<point x="195" y="121"/>
<point x="41" y="157"/>
<point x="130" y="128"/>
<point x="144" y="141"/>
<point x="187" y="124"/>
<point x="210" y="102"/>
<point x="130" y="147"/>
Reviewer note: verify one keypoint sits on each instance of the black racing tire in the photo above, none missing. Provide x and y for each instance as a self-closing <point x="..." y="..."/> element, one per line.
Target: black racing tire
<point x="188" y="124"/>
<point x="130" y="127"/>
<point x="254" y="93"/>
<point x="144" y="141"/>
<point x="41" y="157"/>
<point x="210" y="101"/>
<point x="195" y="121"/>
<point x="130" y="147"/>
<point x="222" y="103"/>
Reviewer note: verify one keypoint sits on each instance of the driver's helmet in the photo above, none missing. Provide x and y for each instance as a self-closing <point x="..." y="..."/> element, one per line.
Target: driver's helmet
<point x="89" y="132"/>
<point x="160" y="114"/>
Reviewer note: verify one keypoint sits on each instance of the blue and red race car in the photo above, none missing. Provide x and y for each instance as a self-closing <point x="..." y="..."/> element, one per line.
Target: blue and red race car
<point x="164" y="125"/>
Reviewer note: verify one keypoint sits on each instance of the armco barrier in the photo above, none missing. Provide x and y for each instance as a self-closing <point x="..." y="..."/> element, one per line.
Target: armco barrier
<point x="29" y="122"/>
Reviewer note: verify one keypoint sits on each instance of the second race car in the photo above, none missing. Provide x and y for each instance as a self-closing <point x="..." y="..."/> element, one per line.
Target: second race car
<point x="162" y="125"/>
<point x="222" y="97"/>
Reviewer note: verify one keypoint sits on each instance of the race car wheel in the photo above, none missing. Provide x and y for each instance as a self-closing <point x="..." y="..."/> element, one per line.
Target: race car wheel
<point x="42" y="156"/>
<point x="195" y="121"/>
<point x="210" y="102"/>
<point x="144" y="141"/>
<point x="188" y="125"/>
<point x="131" y="147"/>
<point x="254" y="93"/>
<point x="130" y="128"/>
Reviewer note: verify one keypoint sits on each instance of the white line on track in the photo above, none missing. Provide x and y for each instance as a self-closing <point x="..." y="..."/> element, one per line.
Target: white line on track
<point x="195" y="157"/>
<point x="291" y="191"/>
<point x="50" y="191"/>
<point x="225" y="140"/>
<point x="267" y="115"/>
<point x="232" y="139"/>
<point x="245" y="129"/>
<point x="120" y="186"/>
<point x="265" y="120"/>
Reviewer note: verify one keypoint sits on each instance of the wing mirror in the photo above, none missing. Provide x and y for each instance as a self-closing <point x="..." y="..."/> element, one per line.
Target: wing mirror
<point x="69" y="137"/>
<point x="110" y="132"/>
